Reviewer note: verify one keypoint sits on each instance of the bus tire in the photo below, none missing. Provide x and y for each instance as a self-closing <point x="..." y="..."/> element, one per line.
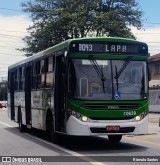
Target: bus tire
<point x="114" y="138"/>
<point x="22" y="127"/>
<point x="53" y="136"/>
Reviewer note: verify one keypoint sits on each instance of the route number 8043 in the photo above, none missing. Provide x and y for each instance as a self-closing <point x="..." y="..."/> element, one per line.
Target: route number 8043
<point x="129" y="113"/>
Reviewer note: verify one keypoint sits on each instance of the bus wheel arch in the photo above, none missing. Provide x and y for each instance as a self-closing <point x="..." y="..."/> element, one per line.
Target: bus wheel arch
<point x="22" y="127"/>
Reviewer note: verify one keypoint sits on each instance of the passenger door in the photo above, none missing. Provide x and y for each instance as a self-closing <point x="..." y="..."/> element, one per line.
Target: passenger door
<point x="60" y="94"/>
<point x="12" y="90"/>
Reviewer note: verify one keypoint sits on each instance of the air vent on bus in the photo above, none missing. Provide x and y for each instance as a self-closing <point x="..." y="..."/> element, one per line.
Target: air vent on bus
<point x="110" y="106"/>
<point x="111" y="118"/>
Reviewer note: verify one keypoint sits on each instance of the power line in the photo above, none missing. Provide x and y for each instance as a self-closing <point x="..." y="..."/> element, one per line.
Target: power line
<point x="19" y="20"/>
<point x="156" y="42"/>
<point x="7" y="47"/>
<point x="1" y="53"/>
<point x="49" y="10"/>
<point x="13" y="31"/>
<point x="2" y="8"/>
<point x="6" y="35"/>
<point x="148" y="33"/>
<point x="26" y="33"/>
<point x="153" y="23"/>
<point x="10" y="42"/>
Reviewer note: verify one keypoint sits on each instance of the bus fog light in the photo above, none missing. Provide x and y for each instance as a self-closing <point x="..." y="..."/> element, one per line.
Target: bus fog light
<point x="138" y="118"/>
<point x="84" y="118"/>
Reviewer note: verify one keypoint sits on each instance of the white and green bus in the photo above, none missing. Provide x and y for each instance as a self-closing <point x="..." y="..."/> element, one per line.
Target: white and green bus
<point x="82" y="87"/>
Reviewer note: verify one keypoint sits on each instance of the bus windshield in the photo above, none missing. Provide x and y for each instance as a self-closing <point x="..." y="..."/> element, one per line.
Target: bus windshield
<point x="108" y="80"/>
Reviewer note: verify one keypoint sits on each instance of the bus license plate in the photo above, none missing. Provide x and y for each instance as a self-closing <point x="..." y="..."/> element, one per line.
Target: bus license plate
<point x="112" y="128"/>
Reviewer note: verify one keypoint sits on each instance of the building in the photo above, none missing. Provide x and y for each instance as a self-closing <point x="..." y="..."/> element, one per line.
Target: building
<point x="154" y="84"/>
<point x="154" y="65"/>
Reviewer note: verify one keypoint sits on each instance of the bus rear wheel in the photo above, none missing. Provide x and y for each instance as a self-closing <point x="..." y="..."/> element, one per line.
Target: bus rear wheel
<point x="114" y="138"/>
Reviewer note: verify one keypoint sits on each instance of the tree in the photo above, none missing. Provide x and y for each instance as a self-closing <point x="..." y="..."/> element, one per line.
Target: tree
<point x="57" y="20"/>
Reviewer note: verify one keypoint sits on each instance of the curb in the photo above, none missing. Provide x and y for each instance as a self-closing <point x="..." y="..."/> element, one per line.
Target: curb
<point x="154" y="112"/>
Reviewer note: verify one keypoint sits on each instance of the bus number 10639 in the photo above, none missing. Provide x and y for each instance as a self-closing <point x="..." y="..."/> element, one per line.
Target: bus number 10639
<point x="129" y="113"/>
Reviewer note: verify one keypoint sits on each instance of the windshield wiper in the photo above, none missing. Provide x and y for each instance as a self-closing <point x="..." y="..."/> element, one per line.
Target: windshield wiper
<point x="116" y="77"/>
<point x="123" y="67"/>
<point x="98" y="70"/>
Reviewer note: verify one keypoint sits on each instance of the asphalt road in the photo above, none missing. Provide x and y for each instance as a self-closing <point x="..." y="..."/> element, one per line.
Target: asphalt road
<point x="98" y="151"/>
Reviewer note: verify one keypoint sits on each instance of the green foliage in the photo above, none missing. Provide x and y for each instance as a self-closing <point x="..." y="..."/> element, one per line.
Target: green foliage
<point x="57" y="20"/>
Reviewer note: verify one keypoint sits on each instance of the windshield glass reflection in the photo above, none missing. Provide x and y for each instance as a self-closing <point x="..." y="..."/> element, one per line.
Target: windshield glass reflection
<point x="107" y="79"/>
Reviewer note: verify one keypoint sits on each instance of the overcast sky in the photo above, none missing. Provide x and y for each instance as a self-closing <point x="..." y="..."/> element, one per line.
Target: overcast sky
<point x="12" y="30"/>
<point x="13" y="24"/>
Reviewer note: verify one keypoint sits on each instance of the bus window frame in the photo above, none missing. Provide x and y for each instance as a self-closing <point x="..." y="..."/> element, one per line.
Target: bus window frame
<point x="47" y="71"/>
<point x="40" y="73"/>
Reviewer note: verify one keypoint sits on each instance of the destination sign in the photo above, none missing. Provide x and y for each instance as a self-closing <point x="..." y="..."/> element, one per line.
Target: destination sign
<point x="109" y="47"/>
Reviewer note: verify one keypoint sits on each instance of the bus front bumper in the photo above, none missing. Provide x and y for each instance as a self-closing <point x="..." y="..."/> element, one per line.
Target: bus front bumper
<point x="94" y="128"/>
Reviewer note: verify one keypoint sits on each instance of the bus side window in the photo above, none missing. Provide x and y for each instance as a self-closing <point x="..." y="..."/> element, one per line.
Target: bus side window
<point x="41" y="74"/>
<point x="50" y="72"/>
<point x="16" y="80"/>
<point x="38" y="74"/>
<point x="19" y="78"/>
<point x="34" y="75"/>
<point x="42" y="69"/>
<point x="23" y="78"/>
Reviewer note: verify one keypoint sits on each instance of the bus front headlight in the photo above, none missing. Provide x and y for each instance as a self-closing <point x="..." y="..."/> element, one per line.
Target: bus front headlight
<point x="141" y="116"/>
<point x="138" y="118"/>
<point x="85" y="118"/>
<point x="78" y="115"/>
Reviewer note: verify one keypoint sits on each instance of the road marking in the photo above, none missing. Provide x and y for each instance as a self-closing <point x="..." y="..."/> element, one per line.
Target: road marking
<point x="80" y="156"/>
<point x="8" y="125"/>
<point x="144" y="141"/>
<point x="150" y="136"/>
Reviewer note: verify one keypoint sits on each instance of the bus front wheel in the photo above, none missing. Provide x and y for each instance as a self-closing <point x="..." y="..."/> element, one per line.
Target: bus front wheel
<point x="114" y="138"/>
<point x="53" y="136"/>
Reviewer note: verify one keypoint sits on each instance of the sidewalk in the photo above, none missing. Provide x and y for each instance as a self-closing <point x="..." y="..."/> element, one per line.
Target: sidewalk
<point x="153" y="125"/>
<point x="154" y="108"/>
<point x="154" y="118"/>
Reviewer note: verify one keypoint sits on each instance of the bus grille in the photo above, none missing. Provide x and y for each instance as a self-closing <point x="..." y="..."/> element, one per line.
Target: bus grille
<point x="111" y="118"/>
<point x="110" y="106"/>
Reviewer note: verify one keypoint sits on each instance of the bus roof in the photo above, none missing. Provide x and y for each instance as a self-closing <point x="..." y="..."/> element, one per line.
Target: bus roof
<point x="65" y="45"/>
